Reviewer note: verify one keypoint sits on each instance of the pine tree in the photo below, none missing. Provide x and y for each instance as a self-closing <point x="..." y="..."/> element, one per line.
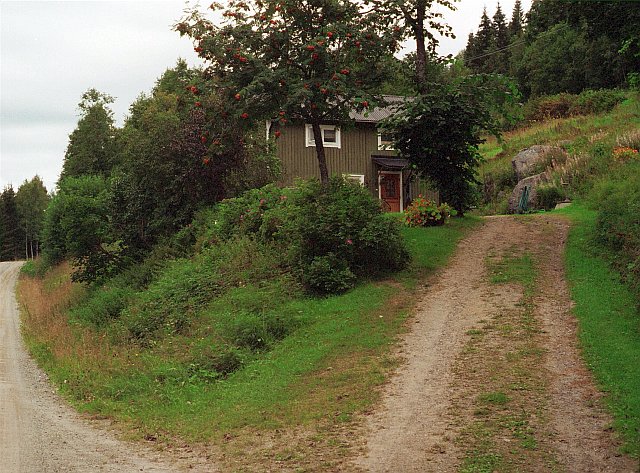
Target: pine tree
<point x="11" y="237"/>
<point x="484" y="43"/>
<point x="499" y="61"/>
<point x="517" y="20"/>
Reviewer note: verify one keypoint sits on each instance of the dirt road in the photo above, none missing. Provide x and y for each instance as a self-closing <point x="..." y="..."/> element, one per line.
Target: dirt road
<point x="38" y="432"/>
<point x="493" y="380"/>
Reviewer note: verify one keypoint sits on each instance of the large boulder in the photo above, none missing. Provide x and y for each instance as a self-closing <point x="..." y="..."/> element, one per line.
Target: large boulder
<point x="526" y="161"/>
<point x="530" y="185"/>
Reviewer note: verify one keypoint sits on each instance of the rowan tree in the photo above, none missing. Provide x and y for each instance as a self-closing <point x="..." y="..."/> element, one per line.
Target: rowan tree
<point x="285" y="60"/>
<point x="420" y="20"/>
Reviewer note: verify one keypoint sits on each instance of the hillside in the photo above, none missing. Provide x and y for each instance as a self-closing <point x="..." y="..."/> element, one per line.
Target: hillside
<point x="220" y="347"/>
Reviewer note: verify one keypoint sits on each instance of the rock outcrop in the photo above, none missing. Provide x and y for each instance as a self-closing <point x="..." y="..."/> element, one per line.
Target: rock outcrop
<point x="529" y="185"/>
<point x="526" y="161"/>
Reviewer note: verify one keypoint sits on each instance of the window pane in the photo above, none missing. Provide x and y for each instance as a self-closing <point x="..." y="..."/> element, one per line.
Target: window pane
<point x="386" y="138"/>
<point x="329" y="135"/>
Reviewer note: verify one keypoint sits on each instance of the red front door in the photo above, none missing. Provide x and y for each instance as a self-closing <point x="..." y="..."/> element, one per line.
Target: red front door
<point x="390" y="191"/>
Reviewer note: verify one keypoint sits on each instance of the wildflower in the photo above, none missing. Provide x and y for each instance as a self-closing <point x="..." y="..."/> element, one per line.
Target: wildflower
<point x="349" y="241"/>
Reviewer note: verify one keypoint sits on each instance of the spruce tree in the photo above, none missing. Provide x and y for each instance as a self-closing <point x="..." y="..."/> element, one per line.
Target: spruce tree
<point x="517" y="20"/>
<point x="91" y="149"/>
<point x="484" y="43"/>
<point x="11" y="235"/>
<point x="499" y="61"/>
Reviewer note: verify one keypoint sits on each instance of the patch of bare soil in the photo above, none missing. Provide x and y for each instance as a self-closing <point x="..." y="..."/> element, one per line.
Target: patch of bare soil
<point x="493" y="380"/>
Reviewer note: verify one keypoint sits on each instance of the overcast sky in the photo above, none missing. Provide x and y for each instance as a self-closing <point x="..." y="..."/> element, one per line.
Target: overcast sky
<point x="51" y="52"/>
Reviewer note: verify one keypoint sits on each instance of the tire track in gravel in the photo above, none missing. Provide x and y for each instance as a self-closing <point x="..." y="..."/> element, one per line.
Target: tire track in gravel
<point x="417" y="428"/>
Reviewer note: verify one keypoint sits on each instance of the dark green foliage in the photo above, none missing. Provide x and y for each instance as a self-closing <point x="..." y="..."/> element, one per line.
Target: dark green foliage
<point x="439" y="134"/>
<point x="11" y="241"/>
<point x="548" y="195"/>
<point x="92" y="145"/>
<point x="328" y="274"/>
<point x="565" y="46"/>
<point x="336" y="234"/>
<point x="618" y="222"/>
<point x="77" y="226"/>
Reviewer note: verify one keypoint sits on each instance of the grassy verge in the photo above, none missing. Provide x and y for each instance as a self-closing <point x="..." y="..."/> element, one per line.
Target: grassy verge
<point x="609" y="327"/>
<point x="322" y="372"/>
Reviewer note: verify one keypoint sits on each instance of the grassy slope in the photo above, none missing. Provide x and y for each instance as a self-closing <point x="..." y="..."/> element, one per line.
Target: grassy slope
<point x="322" y="372"/>
<point x="609" y="327"/>
<point x="578" y="135"/>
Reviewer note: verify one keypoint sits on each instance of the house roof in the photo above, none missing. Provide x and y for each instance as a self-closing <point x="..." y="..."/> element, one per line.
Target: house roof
<point x="390" y="164"/>
<point x="379" y="113"/>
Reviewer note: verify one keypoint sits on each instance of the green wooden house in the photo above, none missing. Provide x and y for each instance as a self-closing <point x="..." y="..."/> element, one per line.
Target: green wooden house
<point x="359" y="152"/>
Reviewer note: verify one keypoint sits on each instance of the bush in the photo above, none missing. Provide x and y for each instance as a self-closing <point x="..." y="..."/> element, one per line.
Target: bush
<point x="335" y="234"/>
<point x="329" y="275"/>
<point x="568" y="105"/>
<point x="426" y="213"/>
<point x="548" y="196"/>
<point x="549" y="107"/>
<point x="104" y="305"/>
<point x="596" y="101"/>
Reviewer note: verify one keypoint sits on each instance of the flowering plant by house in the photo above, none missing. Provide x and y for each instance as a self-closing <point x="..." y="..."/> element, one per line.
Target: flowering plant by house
<point x="426" y="213"/>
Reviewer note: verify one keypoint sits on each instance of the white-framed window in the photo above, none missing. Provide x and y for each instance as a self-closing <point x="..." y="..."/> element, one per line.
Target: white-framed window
<point x="330" y="136"/>
<point x="359" y="178"/>
<point x="385" y="141"/>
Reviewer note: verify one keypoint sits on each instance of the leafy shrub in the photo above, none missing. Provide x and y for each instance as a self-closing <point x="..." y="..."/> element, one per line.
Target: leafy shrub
<point x="596" y="101"/>
<point x="549" y="195"/>
<point x="426" y="213"/>
<point x="341" y="227"/>
<point x="29" y="269"/>
<point x="549" y="107"/>
<point x="212" y="361"/>
<point x="104" y="305"/>
<point x="255" y="330"/>
<point x="568" y="105"/>
<point x="329" y="275"/>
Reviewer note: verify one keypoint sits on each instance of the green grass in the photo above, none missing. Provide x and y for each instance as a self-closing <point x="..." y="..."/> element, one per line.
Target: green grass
<point x="322" y="367"/>
<point x="609" y="327"/>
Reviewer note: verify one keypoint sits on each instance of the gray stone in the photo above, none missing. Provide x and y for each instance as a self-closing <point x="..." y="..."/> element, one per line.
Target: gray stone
<point x="562" y="205"/>
<point x="524" y="163"/>
<point x="531" y="183"/>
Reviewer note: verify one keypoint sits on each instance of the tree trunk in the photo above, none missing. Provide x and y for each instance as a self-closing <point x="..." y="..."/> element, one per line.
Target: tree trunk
<point x="421" y="47"/>
<point x="322" y="159"/>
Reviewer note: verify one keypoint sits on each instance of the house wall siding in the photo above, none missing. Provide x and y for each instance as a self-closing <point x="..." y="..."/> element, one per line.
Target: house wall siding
<point x="358" y="144"/>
